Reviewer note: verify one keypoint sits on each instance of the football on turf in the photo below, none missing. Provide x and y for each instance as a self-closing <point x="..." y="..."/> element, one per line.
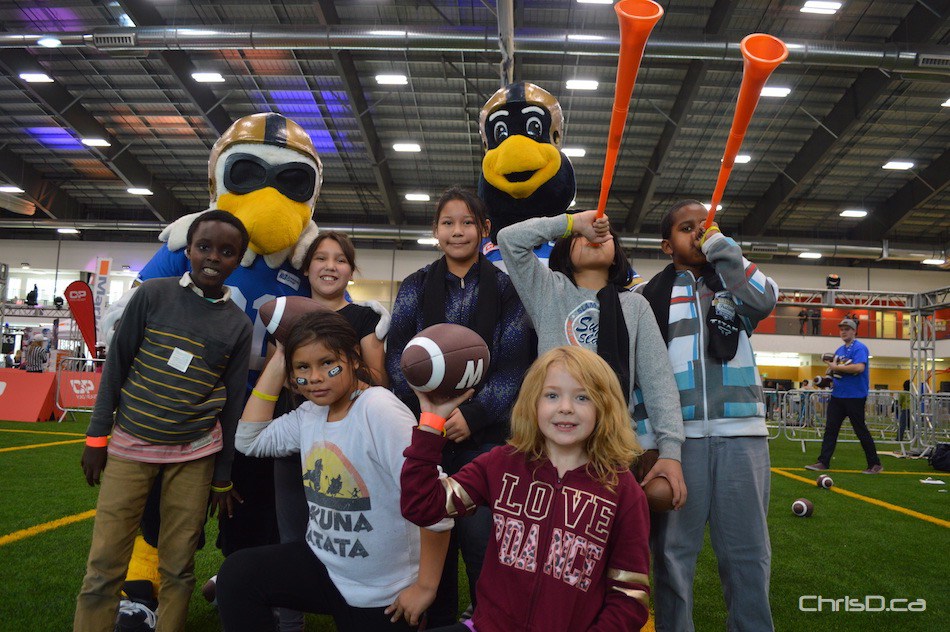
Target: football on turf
<point x="445" y="360"/>
<point x="281" y="314"/>
<point x="824" y="481"/>
<point x="803" y="508"/>
<point x="659" y="495"/>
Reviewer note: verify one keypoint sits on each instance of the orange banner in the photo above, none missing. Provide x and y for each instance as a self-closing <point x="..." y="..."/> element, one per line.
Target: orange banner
<point x="26" y="396"/>
<point x="79" y="297"/>
<point x="78" y="389"/>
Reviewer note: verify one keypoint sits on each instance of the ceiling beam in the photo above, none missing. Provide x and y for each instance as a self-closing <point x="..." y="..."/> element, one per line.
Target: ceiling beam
<point x="180" y="63"/>
<point x="357" y="100"/>
<point x="889" y="214"/>
<point x="687" y="94"/>
<point x="67" y="107"/>
<point x="918" y="26"/>
<point x="689" y="89"/>
<point x="48" y="197"/>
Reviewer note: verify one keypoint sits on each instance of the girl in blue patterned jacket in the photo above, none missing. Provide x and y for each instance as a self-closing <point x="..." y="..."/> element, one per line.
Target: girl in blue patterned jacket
<point x="464" y="288"/>
<point x="707" y="302"/>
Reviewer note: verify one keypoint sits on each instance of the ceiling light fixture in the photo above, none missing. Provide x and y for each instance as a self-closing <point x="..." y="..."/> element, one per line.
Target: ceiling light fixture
<point x="139" y="191"/>
<point x="934" y="261"/>
<point x="742" y="159"/>
<point x="25" y="266"/>
<point x="946" y="103"/>
<point x="775" y="92"/>
<point x="427" y="241"/>
<point x="389" y="33"/>
<point x="392" y="80"/>
<point x="582" y="84"/>
<point x="95" y="142"/>
<point x="707" y="205"/>
<point x="49" y="42"/>
<point x="417" y="197"/>
<point x="581" y="37"/>
<point x="595" y="1"/>
<point x="407" y="147"/>
<point x="574" y="152"/>
<point x="36" y="77"/>
<point x="9" y="188"/>
<point x="853" y="212"/>
<point x="898" y="165"/>
<point x="809" y="255"/>
<point x="207" y="77"/>
<point x="67" y="231"/>
<point x="821" y="8"/>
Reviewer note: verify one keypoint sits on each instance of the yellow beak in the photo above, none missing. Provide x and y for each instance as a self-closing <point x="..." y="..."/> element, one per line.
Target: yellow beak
<point x="519" y="165"/>
<point x="273" y="221"/>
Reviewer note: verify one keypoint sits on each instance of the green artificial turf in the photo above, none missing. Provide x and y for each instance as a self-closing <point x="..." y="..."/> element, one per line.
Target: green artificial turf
<point x="848" y="548"/>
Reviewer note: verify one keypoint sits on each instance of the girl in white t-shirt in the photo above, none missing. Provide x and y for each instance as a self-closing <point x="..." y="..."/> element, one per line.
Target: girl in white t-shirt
<point x="362" y="562"/>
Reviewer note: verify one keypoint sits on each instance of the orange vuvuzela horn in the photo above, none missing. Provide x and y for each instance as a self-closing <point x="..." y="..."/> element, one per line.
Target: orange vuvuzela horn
<point x="761" y="54"/>
<point x="637" y="19"/>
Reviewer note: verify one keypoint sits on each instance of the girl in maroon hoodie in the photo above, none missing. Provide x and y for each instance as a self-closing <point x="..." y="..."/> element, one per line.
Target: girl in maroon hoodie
<point x="571" y="525"/>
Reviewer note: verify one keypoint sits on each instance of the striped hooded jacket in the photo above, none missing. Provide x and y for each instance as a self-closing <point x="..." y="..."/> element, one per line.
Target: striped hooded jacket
<point x="718" y="398"/>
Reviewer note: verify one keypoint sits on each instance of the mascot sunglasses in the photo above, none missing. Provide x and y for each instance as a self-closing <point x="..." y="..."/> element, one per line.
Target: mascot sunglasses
<point x="244" y="173"/>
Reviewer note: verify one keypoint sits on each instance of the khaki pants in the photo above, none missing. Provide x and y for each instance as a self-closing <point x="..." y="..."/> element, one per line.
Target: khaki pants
<point x="125" y="486"/>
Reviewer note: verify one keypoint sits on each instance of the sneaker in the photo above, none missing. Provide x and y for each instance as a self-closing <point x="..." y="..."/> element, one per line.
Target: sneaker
<point x="467" y="614"/>
<point x="874" y="469"/>
<point x="816" y="467"/>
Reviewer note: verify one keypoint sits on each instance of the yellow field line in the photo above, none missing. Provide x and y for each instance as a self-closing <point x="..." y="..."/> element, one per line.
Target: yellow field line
<point x="46" y="526"/>
<point x="800" y="469"/>
<point x="40" y="445"/>
<point x="868" y="499"/>
<point x="68" y="434"/>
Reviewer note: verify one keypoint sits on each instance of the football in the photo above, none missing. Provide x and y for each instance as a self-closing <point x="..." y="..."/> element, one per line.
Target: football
<point x="281" y="314"/>
<point x="445" y="360"/>
<point x="824" y="481"/>
<point x="659" y="495"/>
<point x="839" y="360"/>
<point x="803" y="508"/>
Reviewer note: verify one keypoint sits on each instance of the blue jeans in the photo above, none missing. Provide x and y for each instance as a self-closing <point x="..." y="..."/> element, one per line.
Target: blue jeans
<point x="727" y="480"/>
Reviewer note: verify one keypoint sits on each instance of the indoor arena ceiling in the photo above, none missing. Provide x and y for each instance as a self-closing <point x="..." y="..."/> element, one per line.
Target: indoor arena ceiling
<point x="868" y="85"/>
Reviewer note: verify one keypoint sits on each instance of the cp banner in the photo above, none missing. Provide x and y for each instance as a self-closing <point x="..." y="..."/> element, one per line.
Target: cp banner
<point x="78" y="389"/>
<point x="26" y="396"/>
<point x="79" y="296"/>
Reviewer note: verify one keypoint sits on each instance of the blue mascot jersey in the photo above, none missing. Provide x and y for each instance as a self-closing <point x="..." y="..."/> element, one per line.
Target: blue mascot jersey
<point x="250" y="288"/>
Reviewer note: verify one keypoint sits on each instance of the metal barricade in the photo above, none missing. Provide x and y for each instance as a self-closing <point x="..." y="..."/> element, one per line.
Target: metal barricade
<point x="77" y="384"/>
<point x="774" y="411"/>
<point x="806" y="412"/>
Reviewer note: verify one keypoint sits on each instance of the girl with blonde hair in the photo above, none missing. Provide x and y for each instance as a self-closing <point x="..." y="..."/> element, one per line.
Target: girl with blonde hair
<point x="571" y="524"/>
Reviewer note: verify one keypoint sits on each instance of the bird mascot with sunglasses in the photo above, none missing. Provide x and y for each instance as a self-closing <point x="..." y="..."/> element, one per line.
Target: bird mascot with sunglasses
<point x="265" y="170"/>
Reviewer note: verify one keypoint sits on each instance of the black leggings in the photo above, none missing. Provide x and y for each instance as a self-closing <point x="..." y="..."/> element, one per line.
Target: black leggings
<point x="253" y="581"/>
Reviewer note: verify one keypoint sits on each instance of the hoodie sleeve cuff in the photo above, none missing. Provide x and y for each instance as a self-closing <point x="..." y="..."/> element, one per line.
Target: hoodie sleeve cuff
<point x="670" y="450"/>
<point x="710" y="241"/>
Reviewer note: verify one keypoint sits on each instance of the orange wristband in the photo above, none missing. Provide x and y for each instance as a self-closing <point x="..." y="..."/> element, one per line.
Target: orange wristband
<point x="97" y="442"/>
<point x="433" y="421"/>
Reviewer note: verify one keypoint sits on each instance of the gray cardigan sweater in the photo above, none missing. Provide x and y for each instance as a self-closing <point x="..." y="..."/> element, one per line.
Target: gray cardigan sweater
<point x="565" y="314"/>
